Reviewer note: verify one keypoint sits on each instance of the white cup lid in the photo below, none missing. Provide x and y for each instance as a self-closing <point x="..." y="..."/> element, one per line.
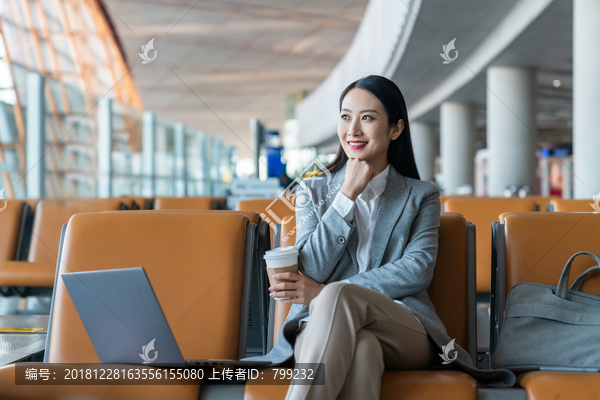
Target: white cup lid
<point x="281" y="252"/>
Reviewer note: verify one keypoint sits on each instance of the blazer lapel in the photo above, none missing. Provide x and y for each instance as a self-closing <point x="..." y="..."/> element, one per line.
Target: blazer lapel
<point x="336" y="182"/>
<point x="393" y="200"/>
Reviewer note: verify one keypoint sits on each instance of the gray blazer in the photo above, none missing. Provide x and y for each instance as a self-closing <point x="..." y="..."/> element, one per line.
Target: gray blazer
<point x="404" y="249"/>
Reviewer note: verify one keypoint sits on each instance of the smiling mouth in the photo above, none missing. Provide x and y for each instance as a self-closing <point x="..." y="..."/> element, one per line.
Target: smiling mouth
<point x="357" y="144"/>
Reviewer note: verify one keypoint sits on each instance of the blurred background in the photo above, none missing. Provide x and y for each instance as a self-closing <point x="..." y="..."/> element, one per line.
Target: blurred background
<point x="189" y="98"/>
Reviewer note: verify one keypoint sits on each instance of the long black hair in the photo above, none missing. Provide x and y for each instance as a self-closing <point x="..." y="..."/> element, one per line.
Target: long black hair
<point x="400" y="153"/>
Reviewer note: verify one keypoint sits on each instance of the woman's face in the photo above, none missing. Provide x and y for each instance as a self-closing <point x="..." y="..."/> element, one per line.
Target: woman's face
<point x="363" y="127"/>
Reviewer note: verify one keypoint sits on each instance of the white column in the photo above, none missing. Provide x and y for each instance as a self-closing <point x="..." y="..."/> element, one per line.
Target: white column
<point x="34" y="145"/>
<point x="104" y="147"/>
<point x="457" y="145"/>
<point x="545" y="174"/>
<point x="481" y="162"/>
<point x="586" y="99"/>
<point x="179" y="158"/>
<point x="424" y="142"/>
<point x="148" y="127"/>
<point x="511" y="128"/>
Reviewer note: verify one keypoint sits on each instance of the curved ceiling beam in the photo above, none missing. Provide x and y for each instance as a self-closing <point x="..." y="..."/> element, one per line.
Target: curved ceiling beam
<point x="377" y="49"/>
<point x="496" y="41"/>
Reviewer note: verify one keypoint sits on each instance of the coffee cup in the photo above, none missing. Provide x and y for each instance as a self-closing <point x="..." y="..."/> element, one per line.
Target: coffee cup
<point x="279" y="260"/>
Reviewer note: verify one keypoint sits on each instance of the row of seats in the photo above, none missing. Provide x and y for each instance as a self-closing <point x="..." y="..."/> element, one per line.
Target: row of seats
<point x="197" y="263"/>
<point x="527" y="247"/>
<point x="92" y="240"/>
<point x="28" y="251"/>
<point x="452" y="289"/>
<point x="159" y="240"/>
<point x="543" y="203"/>
<point x="483" y="212"/>
<point x="35" y="268"/>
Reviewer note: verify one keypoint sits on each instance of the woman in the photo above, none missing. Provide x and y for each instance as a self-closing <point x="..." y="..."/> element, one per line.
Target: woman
<point x="368" y="244"/>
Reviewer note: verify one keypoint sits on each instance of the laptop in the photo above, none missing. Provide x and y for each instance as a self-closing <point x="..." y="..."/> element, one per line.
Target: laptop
<point x="125" y="322"/>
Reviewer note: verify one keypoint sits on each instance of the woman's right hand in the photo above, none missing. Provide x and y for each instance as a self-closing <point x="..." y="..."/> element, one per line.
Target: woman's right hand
<point x="358" y="175"/>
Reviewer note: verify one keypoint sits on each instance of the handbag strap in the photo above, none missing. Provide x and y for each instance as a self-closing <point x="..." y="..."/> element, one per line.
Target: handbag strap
<point x="578" y="283"/>
<point x="561" y="289"/>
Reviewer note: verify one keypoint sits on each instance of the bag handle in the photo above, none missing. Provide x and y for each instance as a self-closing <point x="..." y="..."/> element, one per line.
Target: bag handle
<point x="578" y="283"/>
<point x="561" y="289"/>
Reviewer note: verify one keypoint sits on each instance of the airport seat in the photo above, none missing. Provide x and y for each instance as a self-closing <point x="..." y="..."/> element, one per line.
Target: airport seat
<point x="50" y="215"/>
<point x="452" y="292"/>
<point x="184" y="203"/>
<point x="271" y="210"/>
<point x="204" y="306"/>
<point x="572" y="205"/>
<point x="395" y="385"/>
<point x="482" y="212"/>
<point x="15" y="221"/>
<point x="541" y="201"/>
<point x="219" y="202"/>
<point x="253" y="217"/>
<point x="542" y="385"/>
<point x="534" y="247"/>
<point x="281" y="310"/>
<point x="138" y="202"/>
<point x="11" y="221"/>
<point x="257" y="331"/>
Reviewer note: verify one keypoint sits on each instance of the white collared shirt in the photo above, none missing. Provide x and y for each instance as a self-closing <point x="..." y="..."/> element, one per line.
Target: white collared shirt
<point x="366" y="207"/>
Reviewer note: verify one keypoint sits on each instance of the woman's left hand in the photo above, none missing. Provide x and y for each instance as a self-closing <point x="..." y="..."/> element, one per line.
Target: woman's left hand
<point x="301" y="288"/>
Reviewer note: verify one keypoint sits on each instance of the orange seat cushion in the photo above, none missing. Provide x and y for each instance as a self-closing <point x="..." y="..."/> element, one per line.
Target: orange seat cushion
<point x="542" y="385"/>
<point x="572" y="205"/>
<point x="22" y="273"/>
<point x="183" y="203"/>
<point x="395" y="385"/>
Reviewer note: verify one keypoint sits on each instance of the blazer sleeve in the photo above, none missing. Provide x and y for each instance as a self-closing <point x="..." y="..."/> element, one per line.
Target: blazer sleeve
<point x="412" y="273"/>
<point x="320" y="241"/>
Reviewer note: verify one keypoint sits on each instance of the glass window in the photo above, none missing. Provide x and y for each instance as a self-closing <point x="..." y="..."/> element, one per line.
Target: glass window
<point x="53" y="21"/>
<point x="127" y="151"/>
<point x="164" y="168"/>
<point x="70" y="145"/>
<point x="8" y="126"/>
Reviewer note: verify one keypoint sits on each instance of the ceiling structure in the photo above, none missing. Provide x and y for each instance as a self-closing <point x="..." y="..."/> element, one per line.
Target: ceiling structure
<point x="545" y="45"/>
<point x="221" y="62"/>
<point x="534" y="34"/>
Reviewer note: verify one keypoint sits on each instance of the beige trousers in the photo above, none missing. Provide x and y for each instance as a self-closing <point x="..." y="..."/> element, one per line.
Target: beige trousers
<point x="356" y="333"/>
